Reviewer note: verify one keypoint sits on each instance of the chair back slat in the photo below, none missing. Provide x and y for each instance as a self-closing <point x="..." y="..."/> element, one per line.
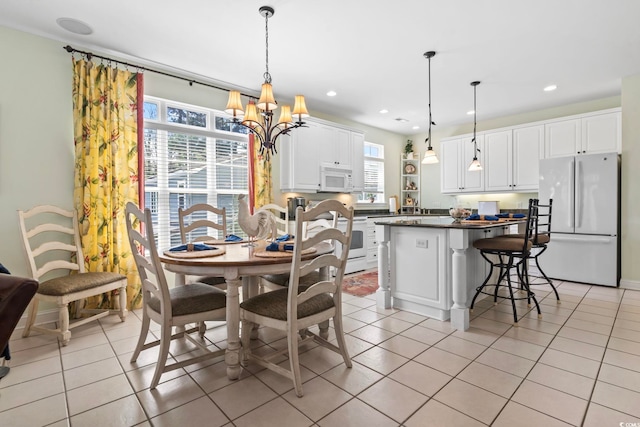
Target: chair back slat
<point x="280" y="215"/>
<point x="200" y="219"/>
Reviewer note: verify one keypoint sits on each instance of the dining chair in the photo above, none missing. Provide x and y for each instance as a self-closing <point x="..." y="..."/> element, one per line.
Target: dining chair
<point x="280" y="215"/>
<point x="51" y="240"/>
<point x="169" y="307"/>
<point x="196" y="223"/>
<point x="298" y="307"/>
<point x="507" y="253"/>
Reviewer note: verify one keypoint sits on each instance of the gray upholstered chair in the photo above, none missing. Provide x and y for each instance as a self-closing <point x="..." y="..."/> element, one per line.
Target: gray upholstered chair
<point x="169" y="308"/>
<point x="298" y="307"/>
<point x="52" y="245"/>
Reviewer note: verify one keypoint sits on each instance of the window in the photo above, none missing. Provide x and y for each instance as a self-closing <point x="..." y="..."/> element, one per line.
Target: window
<point x="191" y="155"/>
<point x="373" y="174"/>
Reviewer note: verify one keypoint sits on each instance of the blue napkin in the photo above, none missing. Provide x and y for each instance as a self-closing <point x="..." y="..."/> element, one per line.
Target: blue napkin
<point x="472" y="217"/>
<point x="232" y="238"/>
<point x="284" y="238"/>
<point x="518" y="215"/>
<point x="508" y="215"/>
<point x="279" y="246"/>
<point x="475" y="217"/>
<point x="491" y="218"/>
<point x="196" y="247"/>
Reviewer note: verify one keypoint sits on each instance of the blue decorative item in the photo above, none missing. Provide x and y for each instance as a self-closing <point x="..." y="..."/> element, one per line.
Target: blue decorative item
<point x="279" y="247"/>
<point x="189" y="247"/>
<point x="232" y="238"/>
<point x="285" y="238"/>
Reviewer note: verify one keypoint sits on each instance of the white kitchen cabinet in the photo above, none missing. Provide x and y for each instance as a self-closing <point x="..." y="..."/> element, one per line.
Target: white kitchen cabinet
<point x="457" y="155"/>
<point x="585" y="134"/>
<point x="305" y="148"/>
<point x="511" y="159"/>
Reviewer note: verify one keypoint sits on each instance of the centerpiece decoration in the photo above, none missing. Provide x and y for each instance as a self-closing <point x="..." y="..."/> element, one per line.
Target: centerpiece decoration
<point x="459" y="213"/>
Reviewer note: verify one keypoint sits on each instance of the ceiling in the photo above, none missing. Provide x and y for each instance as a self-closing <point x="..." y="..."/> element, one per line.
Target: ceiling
<point x="372" y="55"/>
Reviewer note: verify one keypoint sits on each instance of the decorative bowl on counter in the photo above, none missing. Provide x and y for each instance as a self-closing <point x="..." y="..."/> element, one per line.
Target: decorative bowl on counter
<point x="459" y="213"/>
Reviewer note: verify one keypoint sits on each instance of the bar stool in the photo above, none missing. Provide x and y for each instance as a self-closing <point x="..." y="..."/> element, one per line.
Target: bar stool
<point x="506" y="253"/>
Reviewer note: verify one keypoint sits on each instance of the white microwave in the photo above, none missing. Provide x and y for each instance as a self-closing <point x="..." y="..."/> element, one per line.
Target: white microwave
<point x="336" y="178"/>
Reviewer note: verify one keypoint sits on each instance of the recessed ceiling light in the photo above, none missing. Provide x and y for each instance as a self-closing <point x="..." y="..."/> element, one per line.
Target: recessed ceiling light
<point x="384" y="111"/>
<point x="401" y="120"/>
<point x="332" y="93"/>
<point x="470" y="112"/>
<point x="415" y="127"/>
<point x="74" y="26"/>
<point x="550" y="88"/>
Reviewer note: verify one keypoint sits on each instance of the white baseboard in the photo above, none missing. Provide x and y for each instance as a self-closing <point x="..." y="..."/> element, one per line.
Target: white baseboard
<point x="630" y="284"/>
<point x="43" y="317"/>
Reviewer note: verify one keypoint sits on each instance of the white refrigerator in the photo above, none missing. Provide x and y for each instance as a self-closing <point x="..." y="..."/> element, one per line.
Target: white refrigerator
<point x="585" y="218"/>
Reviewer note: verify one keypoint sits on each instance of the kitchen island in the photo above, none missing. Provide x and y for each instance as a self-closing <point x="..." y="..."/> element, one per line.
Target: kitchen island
<point x="429" y="266"/>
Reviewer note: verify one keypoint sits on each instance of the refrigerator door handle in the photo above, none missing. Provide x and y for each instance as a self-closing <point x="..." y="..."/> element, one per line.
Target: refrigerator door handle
<point x="578" y="195"/>
<point x="571" y="216"/>
<point x="581" y="239"/>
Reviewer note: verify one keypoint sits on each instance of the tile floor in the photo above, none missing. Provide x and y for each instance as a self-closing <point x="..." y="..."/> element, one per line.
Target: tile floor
<point x="579" y="365"/>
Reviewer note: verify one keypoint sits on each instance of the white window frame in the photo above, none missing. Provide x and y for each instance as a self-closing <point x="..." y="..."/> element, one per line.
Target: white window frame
<point x="380" y="199"/>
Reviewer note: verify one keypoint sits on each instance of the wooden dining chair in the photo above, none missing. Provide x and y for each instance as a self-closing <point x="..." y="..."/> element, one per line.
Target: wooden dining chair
<point x="52" y="245"/>
<point x="297" y="308"/>
<point x="280" y="215"/>
<point x="169" y="307"/>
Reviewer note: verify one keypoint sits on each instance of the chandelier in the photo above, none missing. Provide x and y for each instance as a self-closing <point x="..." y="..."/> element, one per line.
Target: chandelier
<point x="430" y="156"/>
<point x="266" y="130"/>
<point x="475" y="163"/>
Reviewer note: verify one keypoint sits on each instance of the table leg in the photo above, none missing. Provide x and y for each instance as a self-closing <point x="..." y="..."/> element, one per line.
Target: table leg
<point x="232" y="355"/>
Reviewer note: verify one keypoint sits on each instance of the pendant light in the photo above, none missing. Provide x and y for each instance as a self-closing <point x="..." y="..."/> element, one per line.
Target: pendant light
<point x="430" y="156"/>
<point x="475" y="164"/>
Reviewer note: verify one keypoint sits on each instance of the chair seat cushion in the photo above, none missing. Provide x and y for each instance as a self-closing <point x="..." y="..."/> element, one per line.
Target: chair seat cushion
<point x="191" y="299"/>
<point x="274" y="304"/>
<point x="283" y="279"/>
<point x="211" y="280"/>
<point x="501" y="243"/>
<point x="543" y="239"/>
<point x="77" y="282"/>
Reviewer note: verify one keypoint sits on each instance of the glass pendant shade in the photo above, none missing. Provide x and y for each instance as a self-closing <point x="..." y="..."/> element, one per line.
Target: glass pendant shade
<point x="285" y="116"/>
<point x="234" y="104"/>
<point x="475" y="165"/>
<point x="300" y="108"/>
<point x="251" y="115"/>
<point x="267" y="102"/>
<point x="430" y="157"/>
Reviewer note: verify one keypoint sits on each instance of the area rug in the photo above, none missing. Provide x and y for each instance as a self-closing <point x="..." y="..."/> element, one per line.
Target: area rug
<point x="360" y="284"/>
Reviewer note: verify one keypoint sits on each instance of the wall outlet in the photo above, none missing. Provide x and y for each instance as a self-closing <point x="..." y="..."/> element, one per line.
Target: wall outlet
<point x="421" y="243"/>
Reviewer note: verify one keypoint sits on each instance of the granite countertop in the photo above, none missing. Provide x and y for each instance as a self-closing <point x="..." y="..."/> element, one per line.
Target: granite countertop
<point x="448" y="222"/>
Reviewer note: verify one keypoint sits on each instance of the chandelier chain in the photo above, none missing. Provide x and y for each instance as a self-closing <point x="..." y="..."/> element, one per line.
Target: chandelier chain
<point x="267" y="76"/>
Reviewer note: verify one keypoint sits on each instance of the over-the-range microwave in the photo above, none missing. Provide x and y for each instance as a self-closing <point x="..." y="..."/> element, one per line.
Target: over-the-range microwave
<point x="336" y="178"/>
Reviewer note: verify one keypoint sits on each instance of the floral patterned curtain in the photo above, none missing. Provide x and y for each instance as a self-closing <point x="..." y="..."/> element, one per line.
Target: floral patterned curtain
<point x="260" y="183"/>
<point x="105" y="105"/>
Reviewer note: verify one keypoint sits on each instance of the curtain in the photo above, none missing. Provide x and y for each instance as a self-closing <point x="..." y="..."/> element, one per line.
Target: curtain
<point x="260" y="183"/>
<point x="105" y="114"/>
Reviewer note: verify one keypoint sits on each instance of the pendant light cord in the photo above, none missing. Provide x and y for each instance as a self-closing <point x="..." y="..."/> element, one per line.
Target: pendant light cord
<point x="267" y="76"/>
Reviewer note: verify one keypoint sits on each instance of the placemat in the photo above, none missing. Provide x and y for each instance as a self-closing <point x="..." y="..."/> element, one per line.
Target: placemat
<point x="278" y="254"/>
<point x="195" y="254"/>
<point x="223" y="242"/>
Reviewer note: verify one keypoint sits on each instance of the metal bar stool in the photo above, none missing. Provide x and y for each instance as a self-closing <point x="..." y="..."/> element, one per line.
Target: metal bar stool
<point x="506" y="253"/>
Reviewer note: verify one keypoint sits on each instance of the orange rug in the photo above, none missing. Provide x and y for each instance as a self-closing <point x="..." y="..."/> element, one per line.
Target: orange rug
<point x="360" y="284"/>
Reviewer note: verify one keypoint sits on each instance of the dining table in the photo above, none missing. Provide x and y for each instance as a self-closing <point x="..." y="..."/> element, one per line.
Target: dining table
<point x="239" y="265"/>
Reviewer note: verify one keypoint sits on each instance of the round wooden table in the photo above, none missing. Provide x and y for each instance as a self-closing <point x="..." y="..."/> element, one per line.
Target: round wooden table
<point x="238" y="263"/>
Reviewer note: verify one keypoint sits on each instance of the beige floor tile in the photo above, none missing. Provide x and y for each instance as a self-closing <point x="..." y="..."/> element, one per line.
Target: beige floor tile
<point x="617" y="398"/>
<point x="619" y="376"/>
<point x="366" y="316"/>
<point x="126" y="411"/>
<point x="461" y="347"/>
<point x="443" y="361"/>
<point x="600" y="303"/>
<point x="424" y="335"/>
<point x="564" y="303"/>
<point x="559" y="379"/>
<point x="33" y="354"/>
<point x="355" y="345"/>
<point x="490" y="325"/>
<point x="502" y="315"/>
<point x="31" y="371"/>
<point x="320" y="359"/>
<point x="593" y="317"/>
<point x="556" y="309"/>
<point x="630" y="308"/>
<point x="435" y="414"/>
<point x="84" y="342"/>
<point x="570" y="362"/>
<point x="420" y="378"/>
<point x="578" y="348"/>
<point x="599" y="416"/>
<point x="356" y="413"/>
<point x="519" y="348"/>
<point x="409" y="317"/>
<point x="393" y="399"/>
<point x="352" y="380"/>
<point x="279" y="383"/>
<point x="92" y="372"/>
<point x="490" y="379"/>
<point x="38" y="413"/>
<point x="626" y="334"/>
<point x="140" y="379"/>
<point x="516" y="415"/>
<point x="404" y="346"/>
<point x="539" y="325"/>
<point x="169" y="395"/>
<point x="381" y="360"/>
<point x="320" y="398"/>
<point x="349" y="324"/>
<point x="471" y="400"/>
<point x="552" y="402"/>
<point x="601" y="311"/>
<point x="98" y="393"/>
<point x="372" y="334"/>
<point x="506" y="362"/>
<point x="588" y="326"/>
<point x="584" y="336"/>
<point x="621" y="359"/>
<point x="264" y="416"/>
<point x="624" y="345"/>
<point x="628" y="315"/>
<point x="529" y="335"/>
<point x="437" y="325"/>
<point x="31" y="391"/>
<point x="558" y="319"/>
<point x="393" y="325"/>
<point x="360" y="302"/>
<point x="477" y="336"/>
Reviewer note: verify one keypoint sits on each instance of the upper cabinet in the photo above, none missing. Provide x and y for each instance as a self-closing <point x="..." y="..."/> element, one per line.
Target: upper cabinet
<point x="456" y="156"/>
<point x="304" y="149"/>
<point x="510" y="159"/>
<point x="586" y="134"/>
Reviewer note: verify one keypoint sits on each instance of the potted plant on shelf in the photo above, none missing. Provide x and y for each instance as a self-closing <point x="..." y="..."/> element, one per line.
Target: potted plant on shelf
<point x="408" y="150"/>
<point x="371" y="197"/>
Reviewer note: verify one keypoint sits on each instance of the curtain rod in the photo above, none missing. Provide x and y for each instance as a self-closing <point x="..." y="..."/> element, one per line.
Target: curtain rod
<point x="90" y="55"/>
